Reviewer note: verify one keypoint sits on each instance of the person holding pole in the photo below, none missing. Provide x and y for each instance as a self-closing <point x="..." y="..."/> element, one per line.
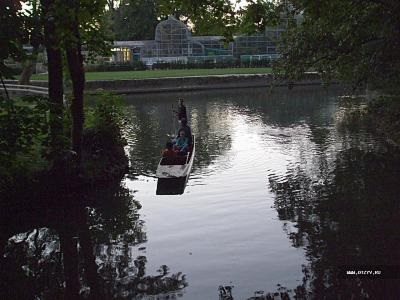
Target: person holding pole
<point x="181" y="112"/>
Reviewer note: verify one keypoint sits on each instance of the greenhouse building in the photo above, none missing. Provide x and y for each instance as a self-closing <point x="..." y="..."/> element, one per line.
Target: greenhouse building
<point x="174" y="42"/>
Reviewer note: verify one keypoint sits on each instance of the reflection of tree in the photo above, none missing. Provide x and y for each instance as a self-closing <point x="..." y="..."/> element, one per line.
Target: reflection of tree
<point x="45" y="259"/>
<point x="145" y="139"/>
<point x="32" y="266"/>
<point x="210" y="116"/>
<point x="212" y="125"/>
<point x="125" y="277"/>
<point x="150" y="122"/>
<point x="114" y="217"/>
<point x="285" y="108"/>
<point x="351" y="218"/>
<point x="38" y="263"/>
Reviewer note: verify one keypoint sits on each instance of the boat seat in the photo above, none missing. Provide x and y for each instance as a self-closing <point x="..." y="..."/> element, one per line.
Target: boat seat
<point x="174" y="160"/>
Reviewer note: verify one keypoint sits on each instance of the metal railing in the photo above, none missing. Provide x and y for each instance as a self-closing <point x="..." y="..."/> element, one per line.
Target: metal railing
<point x="29" y="89"/>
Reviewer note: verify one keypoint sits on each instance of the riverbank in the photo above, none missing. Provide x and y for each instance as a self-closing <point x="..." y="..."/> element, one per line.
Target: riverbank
<point x="189" y="83"/>
<point x="146" y="74"/>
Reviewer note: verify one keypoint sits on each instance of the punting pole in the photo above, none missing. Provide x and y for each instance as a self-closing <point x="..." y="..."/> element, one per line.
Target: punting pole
<point x="173" y="119"/>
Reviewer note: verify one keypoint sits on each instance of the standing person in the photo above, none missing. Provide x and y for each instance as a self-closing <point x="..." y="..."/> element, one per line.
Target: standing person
<point x="188" y="132"/>
<point x="181" y="113"/>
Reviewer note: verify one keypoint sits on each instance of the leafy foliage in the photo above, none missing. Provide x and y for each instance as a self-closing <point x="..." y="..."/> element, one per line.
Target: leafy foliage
<point x="257" y="15"/>
<point x="357" y="41"/>
<point x="206" y="17"/>
<point x="106" y="112"/>
<point x="233" y="63"/>
<point x="22" y="124"/>
<point x="104" y="157"/>
<point x="11" y="33"/>
<point x="113" y="67"/>
<point x="134" y="20"/>
<point x="93" y="32"/>
<point x="24" y="129"/>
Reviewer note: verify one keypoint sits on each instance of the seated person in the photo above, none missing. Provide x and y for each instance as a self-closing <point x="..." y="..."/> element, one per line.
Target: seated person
<point x="187" y="130"/>
<point x="169" y="150"/>
<point x="182" y="142"/>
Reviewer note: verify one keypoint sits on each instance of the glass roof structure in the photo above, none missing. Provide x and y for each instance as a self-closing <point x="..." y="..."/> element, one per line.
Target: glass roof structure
<point x="174" y="42"/>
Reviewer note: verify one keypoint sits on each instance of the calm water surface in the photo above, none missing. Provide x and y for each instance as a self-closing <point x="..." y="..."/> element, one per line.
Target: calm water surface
<point x="259" y="158"/>
<point x="284" y="190"/>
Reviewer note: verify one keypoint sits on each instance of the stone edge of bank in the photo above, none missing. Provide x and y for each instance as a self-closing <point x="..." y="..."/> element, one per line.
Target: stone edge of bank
<point x="190" y="83"/>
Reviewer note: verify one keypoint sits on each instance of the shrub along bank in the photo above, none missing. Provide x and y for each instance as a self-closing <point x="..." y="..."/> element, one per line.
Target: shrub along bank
<point x="103" y="142"/>
<point x="25" y="156"/>
<point x="233" y="63"/>
<point x="191" y="64"/>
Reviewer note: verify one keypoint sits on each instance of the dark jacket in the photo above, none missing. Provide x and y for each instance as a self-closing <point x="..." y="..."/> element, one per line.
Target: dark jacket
<point x="181" y="113"/>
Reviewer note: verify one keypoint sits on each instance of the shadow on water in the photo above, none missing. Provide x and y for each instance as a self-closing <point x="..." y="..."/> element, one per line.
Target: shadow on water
<point x="171" y="186"/>
<point x="59" y="249"/>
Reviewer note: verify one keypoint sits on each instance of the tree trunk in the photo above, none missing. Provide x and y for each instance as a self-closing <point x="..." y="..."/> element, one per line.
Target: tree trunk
<point x="28" y="68"/>
<point x="75" y="66"/>
<point x="55" y="71"/>
<point x="27" y="71"/>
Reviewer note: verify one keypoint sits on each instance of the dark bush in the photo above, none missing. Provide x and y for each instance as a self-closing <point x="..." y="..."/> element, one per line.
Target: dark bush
<point x="209" y="63"/>
<point x="104" y="157"/>
<point x="113" y="67"/>
<point x="24" y="129"/>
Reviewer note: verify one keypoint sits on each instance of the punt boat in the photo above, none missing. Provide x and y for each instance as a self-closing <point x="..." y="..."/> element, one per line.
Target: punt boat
<point x="173" y="172"/>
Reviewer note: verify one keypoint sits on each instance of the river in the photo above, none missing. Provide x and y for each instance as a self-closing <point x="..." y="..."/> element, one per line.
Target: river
<point x="281" y="197"/>
<point x="266" y="163"/>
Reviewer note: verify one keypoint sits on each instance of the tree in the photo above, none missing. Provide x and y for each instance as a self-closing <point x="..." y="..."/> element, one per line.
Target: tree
<point x="70" y="27"/>
<point x="206" y="17"/>
<point x="55" y="69"/>
<point x="11" y="33"/>
<point x="356" y="41"/>
<point x="134" y="20"/>
<point x="33" y="31"/>
<point x="73" y="49"/>
<point x="257" y="15"/>
<point x="84" y="29"/>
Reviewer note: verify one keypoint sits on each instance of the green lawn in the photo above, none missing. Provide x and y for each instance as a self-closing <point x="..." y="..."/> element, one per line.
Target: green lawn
<point x="164" y="73"/>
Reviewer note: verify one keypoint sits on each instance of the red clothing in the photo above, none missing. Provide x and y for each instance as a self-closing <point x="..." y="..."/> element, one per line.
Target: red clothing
<point x="168" y="153"/>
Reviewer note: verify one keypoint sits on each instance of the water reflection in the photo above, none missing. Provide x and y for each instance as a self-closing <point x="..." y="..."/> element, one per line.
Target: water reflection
<point x="212" y="116"/>
<point x="149" y="124"/>
<point x="329" y="187"/>
<point x="54" y="259"/>
<point x="333" y="193"/>
<point x="346" y="215"/>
